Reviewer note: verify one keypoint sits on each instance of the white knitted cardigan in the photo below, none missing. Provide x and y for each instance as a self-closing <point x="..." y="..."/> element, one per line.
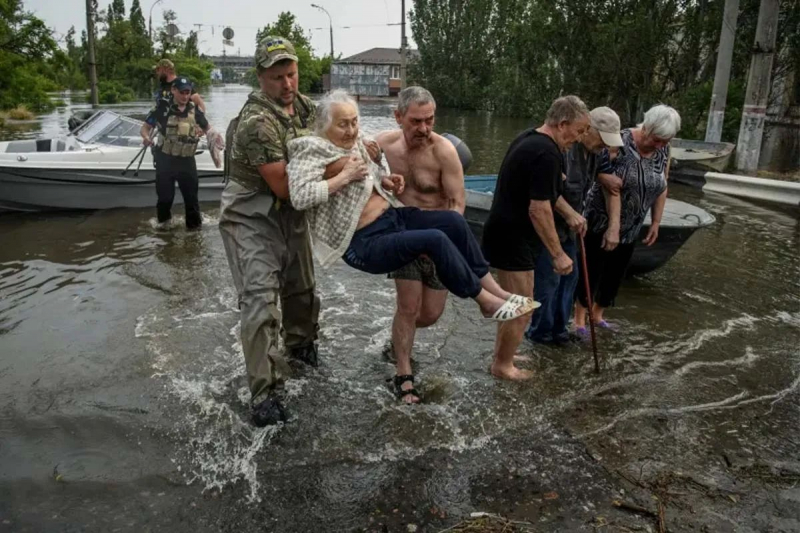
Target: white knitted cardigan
<point x="332" y="219"/>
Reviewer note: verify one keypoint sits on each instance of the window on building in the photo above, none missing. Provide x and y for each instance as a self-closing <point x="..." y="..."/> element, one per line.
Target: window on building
<point x="395" y="75"/>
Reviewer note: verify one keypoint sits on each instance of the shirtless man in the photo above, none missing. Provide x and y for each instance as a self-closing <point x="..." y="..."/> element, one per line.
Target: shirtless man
<point x="434" y="179"/>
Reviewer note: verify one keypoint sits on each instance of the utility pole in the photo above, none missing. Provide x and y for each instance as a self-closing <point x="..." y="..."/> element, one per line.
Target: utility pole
<point x="150" y="20"/>
<point x="754" y="113"/>
<point x="716" y="113"/>
<point x="403" y="49"/>
<point x="330" y="21"/>
<point x="92" y="62"/>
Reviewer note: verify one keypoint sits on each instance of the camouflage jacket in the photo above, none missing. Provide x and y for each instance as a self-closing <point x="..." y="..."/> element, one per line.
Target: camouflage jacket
<point x="262" y="134"/>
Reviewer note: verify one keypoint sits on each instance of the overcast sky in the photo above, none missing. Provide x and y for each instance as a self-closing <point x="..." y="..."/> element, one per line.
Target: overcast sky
<point x="367" y="19"/>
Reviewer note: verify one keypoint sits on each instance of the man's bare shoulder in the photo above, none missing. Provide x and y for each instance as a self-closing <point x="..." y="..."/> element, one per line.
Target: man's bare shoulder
<point x="442" y="148"/>
<point x="388" y="137"/>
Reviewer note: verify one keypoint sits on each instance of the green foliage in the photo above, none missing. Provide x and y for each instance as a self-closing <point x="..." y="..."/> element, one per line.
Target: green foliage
<point x="515" y="56"/>
<point x="116" y="11"/>
<point x="32" y="64"/>
<point x="114" y="92"/>
<point x="168" y="44"/>
<point x="194" y="68"/>
<point x="324" y="65"/>
<point x="25" y="46"/>
<point x="229" y="75"/>
<point x="250" y="77"/>
<point x="137" y="19"/>
<point x="190" y="46"/>
<point x="286" y="26"/>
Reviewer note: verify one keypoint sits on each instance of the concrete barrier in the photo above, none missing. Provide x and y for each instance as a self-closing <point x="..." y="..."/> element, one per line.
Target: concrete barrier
<point x="781" y="192"/>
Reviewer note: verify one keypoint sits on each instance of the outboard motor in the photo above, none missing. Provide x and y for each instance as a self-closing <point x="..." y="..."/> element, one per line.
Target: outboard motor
<point x="464" y="153"/>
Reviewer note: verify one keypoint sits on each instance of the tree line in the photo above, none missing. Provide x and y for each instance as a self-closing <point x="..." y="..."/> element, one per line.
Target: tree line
<point x="515" y="56"/>
<point x="33" y="63"/>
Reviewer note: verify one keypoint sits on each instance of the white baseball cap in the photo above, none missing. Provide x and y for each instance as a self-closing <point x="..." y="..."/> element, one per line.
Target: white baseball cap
<point x="607" y="124"/>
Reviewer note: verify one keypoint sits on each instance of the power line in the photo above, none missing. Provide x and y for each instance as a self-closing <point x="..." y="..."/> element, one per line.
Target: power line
<point x="320" y="28"/>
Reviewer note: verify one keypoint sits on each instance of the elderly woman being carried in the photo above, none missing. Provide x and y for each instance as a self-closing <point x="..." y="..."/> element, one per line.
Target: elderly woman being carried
<point x="353" y="214"/>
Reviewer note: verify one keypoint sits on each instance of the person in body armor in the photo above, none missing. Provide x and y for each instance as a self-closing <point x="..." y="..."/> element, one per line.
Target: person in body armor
<point x="173" y="153"/>
<point x="266" y="239"/>
<point x="165" y="73"/>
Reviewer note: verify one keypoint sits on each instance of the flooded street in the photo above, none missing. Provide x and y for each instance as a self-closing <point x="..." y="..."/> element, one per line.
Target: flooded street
<point x="123" y="401"/>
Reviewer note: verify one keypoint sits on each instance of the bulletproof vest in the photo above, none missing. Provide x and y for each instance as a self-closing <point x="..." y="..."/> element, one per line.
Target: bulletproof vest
<point x="245" y="174"/>
<point x="180" y="138"/>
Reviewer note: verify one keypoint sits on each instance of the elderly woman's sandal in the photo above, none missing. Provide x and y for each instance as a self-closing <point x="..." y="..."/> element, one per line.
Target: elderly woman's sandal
<point x="511" y="309"/>
<point x="524" y="300"/>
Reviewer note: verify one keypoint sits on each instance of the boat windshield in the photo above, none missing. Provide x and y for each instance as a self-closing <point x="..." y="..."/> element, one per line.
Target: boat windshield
<point x="107" y="127"/>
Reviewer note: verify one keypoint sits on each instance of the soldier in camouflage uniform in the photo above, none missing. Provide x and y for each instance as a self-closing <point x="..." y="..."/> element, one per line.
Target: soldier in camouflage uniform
<point x="266" y="240"/>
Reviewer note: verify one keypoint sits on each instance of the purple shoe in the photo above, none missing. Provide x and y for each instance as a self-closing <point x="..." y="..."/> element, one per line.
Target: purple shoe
<point x="582" y="332"/>
<point x="606" y="325"/>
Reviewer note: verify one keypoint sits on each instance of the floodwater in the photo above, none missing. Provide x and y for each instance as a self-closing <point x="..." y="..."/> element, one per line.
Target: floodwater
<point x="123" y="405"/>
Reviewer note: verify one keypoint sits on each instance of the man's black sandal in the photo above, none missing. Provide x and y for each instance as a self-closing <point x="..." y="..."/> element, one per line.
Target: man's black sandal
<point x="401" y="393"/>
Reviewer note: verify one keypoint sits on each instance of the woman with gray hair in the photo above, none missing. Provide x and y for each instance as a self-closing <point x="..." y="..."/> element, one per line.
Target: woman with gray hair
<point x="615" y="221"/>
<point x="352" y="213"/>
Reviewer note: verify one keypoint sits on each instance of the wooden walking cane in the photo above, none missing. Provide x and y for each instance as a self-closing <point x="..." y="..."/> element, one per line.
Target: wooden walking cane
<point x="585" y="272"/>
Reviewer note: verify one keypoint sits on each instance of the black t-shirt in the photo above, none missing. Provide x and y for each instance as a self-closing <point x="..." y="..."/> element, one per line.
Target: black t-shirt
<point x="531" y="170"/>
<point x="164" y="93"/>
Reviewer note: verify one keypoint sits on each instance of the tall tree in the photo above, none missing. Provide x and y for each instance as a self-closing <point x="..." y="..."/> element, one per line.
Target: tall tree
<point x="169" y="43"/>
<point x="25" y="46"/>
<point x="286" y="26"/>
<point x="137" y="19"/>
<point x="115" y="12"/>
<point x="190" y="48"/>
<point x="515" y="56"/>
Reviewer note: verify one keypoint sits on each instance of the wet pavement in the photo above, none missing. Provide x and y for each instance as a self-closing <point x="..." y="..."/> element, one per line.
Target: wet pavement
<point x="123" y="405"/>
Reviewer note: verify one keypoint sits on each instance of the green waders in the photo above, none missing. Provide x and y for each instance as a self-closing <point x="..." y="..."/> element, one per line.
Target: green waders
<point x="270" y="258"/>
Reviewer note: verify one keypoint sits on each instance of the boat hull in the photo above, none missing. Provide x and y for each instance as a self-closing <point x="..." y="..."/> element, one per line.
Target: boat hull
<point x="689" y="154"/>
<point x="679" y="222"/>
<point x="31" y="189"/>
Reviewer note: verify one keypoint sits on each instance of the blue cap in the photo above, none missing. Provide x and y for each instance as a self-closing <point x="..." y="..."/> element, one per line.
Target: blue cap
<point x="182" y="84"/>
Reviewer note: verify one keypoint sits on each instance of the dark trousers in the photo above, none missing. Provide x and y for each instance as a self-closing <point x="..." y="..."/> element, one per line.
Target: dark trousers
<point x="399" y="236"/>
<point x="170" y="169"/>
<point x="606" y="270"/>
<point x="555" y="293"/>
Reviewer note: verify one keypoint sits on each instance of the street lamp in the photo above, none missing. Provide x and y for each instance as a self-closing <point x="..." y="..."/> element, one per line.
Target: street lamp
<point x="331" y="24"/>
<point x="150" y="20"/>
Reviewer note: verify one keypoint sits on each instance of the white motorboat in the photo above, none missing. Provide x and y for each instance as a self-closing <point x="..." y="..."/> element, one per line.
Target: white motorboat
<point x="86" y="169"/>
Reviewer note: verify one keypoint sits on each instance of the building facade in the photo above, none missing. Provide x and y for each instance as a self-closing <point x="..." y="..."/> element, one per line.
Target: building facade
<point x="374" y="72"/>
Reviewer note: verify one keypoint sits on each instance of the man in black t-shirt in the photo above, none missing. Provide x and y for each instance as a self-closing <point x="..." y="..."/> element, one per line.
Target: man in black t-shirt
<point x="521" y="222"/>
<point x="178" y="124"/>
<point x="581" y="165"/>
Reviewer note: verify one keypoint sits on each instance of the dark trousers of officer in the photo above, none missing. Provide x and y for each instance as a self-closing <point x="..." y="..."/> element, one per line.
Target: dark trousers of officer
<point x="183" y="170"/>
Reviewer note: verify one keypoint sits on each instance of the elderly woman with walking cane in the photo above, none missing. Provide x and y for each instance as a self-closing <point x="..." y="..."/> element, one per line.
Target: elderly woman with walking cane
<point x="643" y="168"/>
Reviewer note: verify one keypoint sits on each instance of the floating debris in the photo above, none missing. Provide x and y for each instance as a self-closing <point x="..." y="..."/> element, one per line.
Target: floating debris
<point x="490" y="523"/>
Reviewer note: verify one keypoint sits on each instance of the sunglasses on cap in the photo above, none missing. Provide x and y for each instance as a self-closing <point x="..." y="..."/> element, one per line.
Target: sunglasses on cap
<point x="275" y="45"/>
